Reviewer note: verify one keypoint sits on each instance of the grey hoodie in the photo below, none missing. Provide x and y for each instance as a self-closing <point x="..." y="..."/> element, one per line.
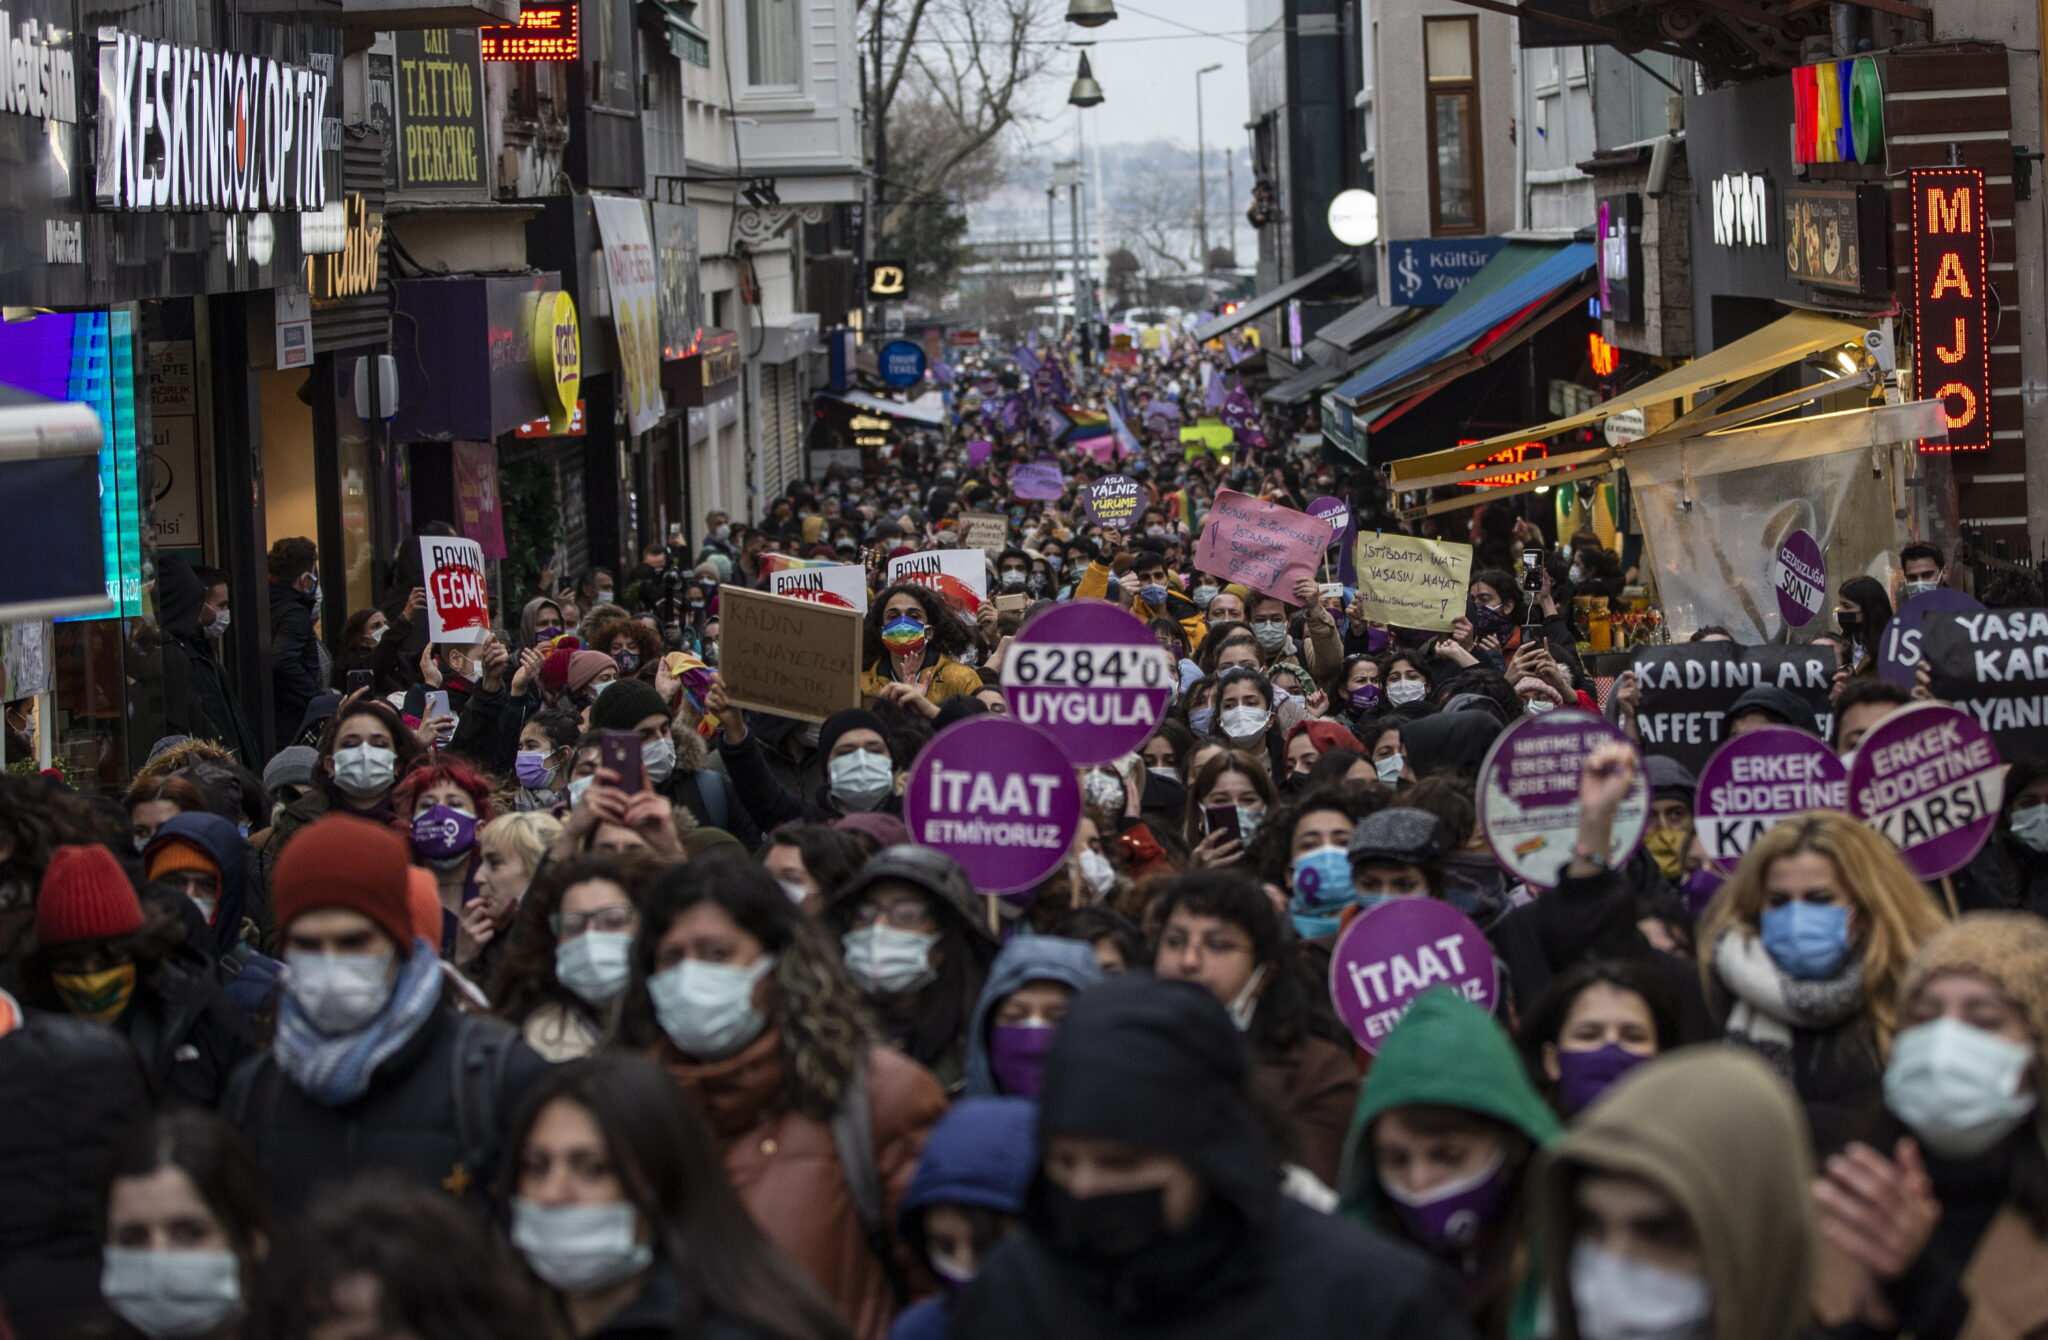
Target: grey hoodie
<point x="1025" y="959"/>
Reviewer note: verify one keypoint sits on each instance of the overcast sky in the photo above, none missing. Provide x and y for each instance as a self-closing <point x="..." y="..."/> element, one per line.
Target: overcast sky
<point x="1147" y="65"/>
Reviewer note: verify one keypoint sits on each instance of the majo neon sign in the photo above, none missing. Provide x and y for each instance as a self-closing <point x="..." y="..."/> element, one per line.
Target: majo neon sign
<point x="1951" y="307"/>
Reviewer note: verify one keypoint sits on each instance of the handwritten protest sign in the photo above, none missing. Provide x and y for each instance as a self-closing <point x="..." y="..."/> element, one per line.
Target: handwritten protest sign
<point x="1529" y="795"/>
<point x="1411" y="583"/>
<point x="795" y="658"/>
<point x="960" y="575"/>
<point x="1993" y="664"/>
<point x="997" y="796"/>
<point x="1113" y="500"/>
<point x="844" y="585"/>
<point x="1687" y="689"/>
<point x="458" y="606"/>
<point x="1929" y="778"/>
<point x="986" y="531"/>
<point x="1757" y="779"/>
<point x="1398" y="950"/>
<point x="1261" y="545"/>
<point x="1036" y="481"/>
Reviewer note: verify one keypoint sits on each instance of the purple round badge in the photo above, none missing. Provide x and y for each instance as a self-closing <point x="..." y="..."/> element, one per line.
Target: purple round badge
<point x="1398" y="950"/>
<point x="1529" y="794"/>
<point x="1929" y="778"/>
<point x="1757" y="779"/>
<point x="1335" y="511"/>
<point x="978" y="452"/>
<point x="1801" y="578"/>
<point x="1113" y="500"/>
<point x="997" y="796"/>
<point x="1090" y="675"/>
<point x="1898" y="652"/>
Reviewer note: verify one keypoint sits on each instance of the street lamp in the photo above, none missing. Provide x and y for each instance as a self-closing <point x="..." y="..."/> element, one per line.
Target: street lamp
<point x="1090" y="13"/>
<point x="1085" y="92"/>
<point x="1202" y="170"/>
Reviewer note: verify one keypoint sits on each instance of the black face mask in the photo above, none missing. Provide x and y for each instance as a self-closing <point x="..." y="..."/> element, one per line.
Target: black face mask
<point x="1850" y="624"/>
<point x="1105" y="1228"/>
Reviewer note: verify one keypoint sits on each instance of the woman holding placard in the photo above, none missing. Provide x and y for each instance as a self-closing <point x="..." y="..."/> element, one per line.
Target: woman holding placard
<point x="1802" y="952"/>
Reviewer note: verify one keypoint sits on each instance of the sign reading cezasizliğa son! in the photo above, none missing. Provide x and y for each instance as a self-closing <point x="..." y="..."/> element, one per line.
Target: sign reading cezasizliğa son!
<point x="182" y="128"/>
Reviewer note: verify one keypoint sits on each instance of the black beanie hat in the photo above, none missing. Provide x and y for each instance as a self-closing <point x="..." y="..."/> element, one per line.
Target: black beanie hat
<point x="853" y="718"/>
<point x="625" y="704"/>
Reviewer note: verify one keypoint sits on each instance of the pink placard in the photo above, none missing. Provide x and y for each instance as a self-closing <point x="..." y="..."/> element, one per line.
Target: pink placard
<point x="1261" y="545"/>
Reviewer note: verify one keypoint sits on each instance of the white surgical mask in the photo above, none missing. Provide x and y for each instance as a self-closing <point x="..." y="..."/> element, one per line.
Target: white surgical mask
<point x="1389" y="768"/>
<point x="338" y="992"/>
<point x="1536" y="707"/>
<point x="862" y="779"/>
<point x="796" y="892"/>
<point x="1911" y="589"/>
<point x="365" y="771"/>
<point x="1403" y="691"/>
<point x="1242" y="723"/>
<point x="579" y="786"/>
<point x="1246" y="1005"/>
<point x="707" y="1009"/>
<point x="1096" y="872"/>
<point x="219" y="624"/>
<point x="1271" y="633"/>
<point x="658" y="757"/>
<point x="1619" y="1298"/>
<point x="889" y="962"/>
<point x="1957" y="1087"/>
<point x="178" y="1293"/>
<point x="2030" y="826"/>
<point x="1165" y="774"/>
<point x="580" y="1248"/>
<point x="377" y="634"/>
<point x="1105" y="791"/>
<point x="595" y="965"/>
<point x="1204" y="594"/>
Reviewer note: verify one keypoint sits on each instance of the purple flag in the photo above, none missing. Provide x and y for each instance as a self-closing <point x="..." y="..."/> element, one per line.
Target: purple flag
<point x="1213" y="395"/>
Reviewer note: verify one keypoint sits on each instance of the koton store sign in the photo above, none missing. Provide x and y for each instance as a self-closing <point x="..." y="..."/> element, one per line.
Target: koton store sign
<point x="1951" y="314"/>
<point x="182" y="128"/>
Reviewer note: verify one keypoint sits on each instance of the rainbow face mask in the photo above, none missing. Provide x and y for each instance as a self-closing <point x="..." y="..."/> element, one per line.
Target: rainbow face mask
<point x="904" y="636"/>
<point x="98" y="996"/>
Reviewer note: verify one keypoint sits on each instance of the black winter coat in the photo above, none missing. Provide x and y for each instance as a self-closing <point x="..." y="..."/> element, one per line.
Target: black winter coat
<point x="187" y="1036"/>
<point x="404" y="1124"/>
<point x="71" y="1094"/>
<point x="657" y="1309"/>
<point x="294" y="660"/>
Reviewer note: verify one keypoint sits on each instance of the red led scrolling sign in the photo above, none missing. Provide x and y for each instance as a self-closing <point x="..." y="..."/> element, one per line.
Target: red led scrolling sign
<point x="1951" y="307"/>
<point x="544" y="32"/>
<point x="1514" y="455"/>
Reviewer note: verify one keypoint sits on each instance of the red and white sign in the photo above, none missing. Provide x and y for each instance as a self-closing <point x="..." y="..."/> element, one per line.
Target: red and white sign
<point x="1951" y="302"/>
<point x="960" y="575"/>
<point x="458" y="606"/>
<point x="842" y="585"/>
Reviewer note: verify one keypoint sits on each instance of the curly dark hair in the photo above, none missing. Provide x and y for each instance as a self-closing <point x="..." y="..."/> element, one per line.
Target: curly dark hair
<point x="292" y="558"/>
<point x="831" y="856"/>
<point x="944" y="633"/>
<point x="1288" y="1006"/>
<point x="1271" y="851"/>
<point x="646" y="642"/>
<point x="525" y="979"/>
<point x="403" y="742"/>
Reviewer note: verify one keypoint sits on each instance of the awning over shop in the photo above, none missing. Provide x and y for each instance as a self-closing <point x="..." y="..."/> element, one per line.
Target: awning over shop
<point x="931" y="416"/>
<point x="1253" y="308"/>
<point x="1368" y="323"/>
<point x="1497" y="309"/>
<point x="1721" y="375"/>
<point x="1316" y="377"/>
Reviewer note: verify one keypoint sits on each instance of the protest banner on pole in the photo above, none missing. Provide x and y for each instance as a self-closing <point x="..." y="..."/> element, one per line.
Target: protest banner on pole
<point x="1687" y="689"/>
<point x="458" y="604"/>
<point x="1090" y="675"/>
<point x="1800" y="575"/>
<point x="1929" y="778"/>
<point x="1757" y="779"/>
<point x="1409" y="583"/>
<point x="1898" y="651"/>
<point x="1393" y="953"/>
<point x="997" y="796"/>
<point x="1113" y="500"/>
<point x="960" y="575"/>
<point x="1037" y="481"/>
<point x="986" y="531"/>
<point x="844" y="585"/>
<point x="1993" y="664"/>
<point x="1529" y="795"/>
<point x="795" y="658"/>
<point x="1261" y="545"/>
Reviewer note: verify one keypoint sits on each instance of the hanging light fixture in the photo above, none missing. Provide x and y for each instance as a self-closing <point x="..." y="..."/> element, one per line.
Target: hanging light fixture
<point x="1090" y="13"/>
<point x="1086" y="92"/>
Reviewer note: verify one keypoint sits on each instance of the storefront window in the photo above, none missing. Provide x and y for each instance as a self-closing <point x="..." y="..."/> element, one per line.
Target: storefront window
<point x="1451" y="59"/>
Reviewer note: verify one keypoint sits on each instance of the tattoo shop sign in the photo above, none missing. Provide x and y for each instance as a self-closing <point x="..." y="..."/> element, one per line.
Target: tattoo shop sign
<point x="1688" y="688"/>
<point x="1993" y="664"/>
<point x="183" y="128"/>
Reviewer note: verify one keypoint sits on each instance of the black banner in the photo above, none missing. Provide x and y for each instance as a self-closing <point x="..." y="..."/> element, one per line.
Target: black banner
<point x="1993" y="664"/>
<point x="1688" y="689"/>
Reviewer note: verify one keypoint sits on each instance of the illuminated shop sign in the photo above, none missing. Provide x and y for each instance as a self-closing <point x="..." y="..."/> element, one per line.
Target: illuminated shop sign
<point x="543" y="33"/>
<point x="1515" y="455"/>
<point x="1951" y="313"/>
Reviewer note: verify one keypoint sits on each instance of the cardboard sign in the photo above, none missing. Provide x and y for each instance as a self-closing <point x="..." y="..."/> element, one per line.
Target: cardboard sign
<point x="1392" y="954"/>
<point x="795" y="658"/>
<point x="1037" y="481"/>
<point x="1929" y="778"/>
<point x="960" y="575"/>
<point x="1800" y="576"/>
<point x="1529" y="795"/>
<point x="1114" y="500"/>
<point x="1757" y="779"/>
<point x="1898" y="652"/>
<point x="841" y="585"/>
<point x="1993" y="664"/>
<point x="1404" y="582"/>
<point x="1261" y="545"/>
<point x="986" y="531"/>
<point x="997" y="796"/>
<point x="458" y="605"/>
<point x="1689" y="687"/>
<point x="1092" y="676"/>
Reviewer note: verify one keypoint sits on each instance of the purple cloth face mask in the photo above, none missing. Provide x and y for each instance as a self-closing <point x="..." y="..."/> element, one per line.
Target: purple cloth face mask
<point x="1377" y="640"/>
<point x="1699" y="889"/>
<point x="1365" y="697"/>
<point x="1016" y="1052"/>
<point x="531" y="768"/>
<point x="1448" y="1218"/>
<point x="443" y="832"/>
<point x="1584" y="1076"/>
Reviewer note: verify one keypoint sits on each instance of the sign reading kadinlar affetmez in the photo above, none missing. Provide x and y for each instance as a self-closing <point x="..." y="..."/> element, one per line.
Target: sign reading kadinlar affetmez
<point x="1529" y="795"/>
<point x="1392" y="954"/>
<point x="1929" y="778"/>
<point x="1756" y="780"/>
<point x="999" y="797"/>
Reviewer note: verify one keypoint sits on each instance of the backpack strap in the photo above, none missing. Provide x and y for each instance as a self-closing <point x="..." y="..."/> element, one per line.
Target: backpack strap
<point x="478" y="1079"/>
<point x="853" y="1135"/>
<point x="711" y="790"/>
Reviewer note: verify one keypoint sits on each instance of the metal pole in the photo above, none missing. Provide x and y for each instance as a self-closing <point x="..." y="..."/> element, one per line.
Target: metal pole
<point x="1052" y="250"/>
<point x="1230" y="200"/>
<point x="1202" y="171"/>
<point x="1074" y="222"/>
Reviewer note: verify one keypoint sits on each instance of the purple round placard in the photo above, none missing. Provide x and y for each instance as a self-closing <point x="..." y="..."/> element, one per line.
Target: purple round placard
<point x="1929" y="778"/>
<point x="1390" y="955"/>
<point x="1758" y="778"/>
<point x="997" y="796"/>
<point x="1529" y="794"/>
<point x="1090" y="675"/>
<point x="1800" y="576"/>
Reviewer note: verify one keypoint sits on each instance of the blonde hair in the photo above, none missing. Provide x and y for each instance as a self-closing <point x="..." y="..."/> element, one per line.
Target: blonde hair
<point x="1896" y="914"/>
<point x="525" y="837"/>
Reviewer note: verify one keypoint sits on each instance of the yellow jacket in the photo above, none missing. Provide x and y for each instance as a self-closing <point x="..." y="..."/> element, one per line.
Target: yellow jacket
<point x="1094" y="585"/>
<point x="945" y="678"/>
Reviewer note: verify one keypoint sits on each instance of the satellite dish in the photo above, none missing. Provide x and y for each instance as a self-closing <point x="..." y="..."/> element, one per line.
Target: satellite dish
<point x="1355" y="217"/>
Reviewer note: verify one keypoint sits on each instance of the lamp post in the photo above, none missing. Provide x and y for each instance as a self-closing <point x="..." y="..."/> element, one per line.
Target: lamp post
<point x="1202" y="171"/>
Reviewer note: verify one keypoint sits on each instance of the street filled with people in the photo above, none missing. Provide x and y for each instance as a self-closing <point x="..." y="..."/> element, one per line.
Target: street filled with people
<point x="1080" y="874"/>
